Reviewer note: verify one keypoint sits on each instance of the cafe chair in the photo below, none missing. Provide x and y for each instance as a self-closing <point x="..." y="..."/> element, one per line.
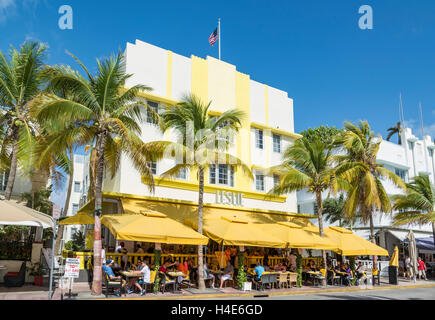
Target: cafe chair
<point x="15" y="279"/>
<point x="282" y="280"/>
<point x="229" y="280"/>
<point x="336" y="279"/>
<point x="292" y="278"/>
<point x="319" y="278"/>
<point x="164" y="282"/>
<point x="150" y="285"/>
<point x="111" y="284"/>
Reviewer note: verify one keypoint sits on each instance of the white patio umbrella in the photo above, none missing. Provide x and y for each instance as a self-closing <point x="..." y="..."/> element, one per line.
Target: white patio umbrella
<point x="412" y="248"/>
<point x="12" y="213"/>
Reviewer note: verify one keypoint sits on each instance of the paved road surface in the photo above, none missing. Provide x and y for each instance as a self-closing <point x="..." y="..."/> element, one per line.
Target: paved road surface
<point x="398" y="294"/>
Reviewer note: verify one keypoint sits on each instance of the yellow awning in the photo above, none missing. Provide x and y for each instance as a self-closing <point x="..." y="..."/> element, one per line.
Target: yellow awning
<point x="394" y="261"/>
<point x="349" y="244"/>
<point x="182" y="212"/>
<point x="298" y="237"/>
<point x="79" y="218"/>
<point x="237" y="232"/>
<point x="153" y="227"/>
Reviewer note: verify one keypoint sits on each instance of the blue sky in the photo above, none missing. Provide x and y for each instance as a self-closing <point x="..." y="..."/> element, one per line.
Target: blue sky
<point x="314" y="50"/>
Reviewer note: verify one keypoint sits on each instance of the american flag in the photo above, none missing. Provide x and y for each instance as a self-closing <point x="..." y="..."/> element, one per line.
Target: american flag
<point x="213" y="37"/>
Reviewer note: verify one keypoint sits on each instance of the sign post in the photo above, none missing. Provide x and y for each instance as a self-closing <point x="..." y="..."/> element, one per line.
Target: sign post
<point x="72" y="270"/>
<point x="55" y="217"/>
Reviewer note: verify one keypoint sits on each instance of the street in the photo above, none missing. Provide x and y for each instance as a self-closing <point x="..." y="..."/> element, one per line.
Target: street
<point x="397" y="294"/>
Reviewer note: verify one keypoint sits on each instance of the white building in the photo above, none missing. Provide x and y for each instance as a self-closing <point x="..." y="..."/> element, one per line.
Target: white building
<point x="78" y="193"/>
<point x="267" y="130"/>
<point x="407" y="160"/>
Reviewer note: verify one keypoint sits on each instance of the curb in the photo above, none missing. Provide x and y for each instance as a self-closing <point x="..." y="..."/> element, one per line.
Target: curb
<point x="283" y="293"/>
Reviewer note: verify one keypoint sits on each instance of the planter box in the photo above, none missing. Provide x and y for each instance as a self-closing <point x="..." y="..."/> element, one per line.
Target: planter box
<point x="247" y="286"/>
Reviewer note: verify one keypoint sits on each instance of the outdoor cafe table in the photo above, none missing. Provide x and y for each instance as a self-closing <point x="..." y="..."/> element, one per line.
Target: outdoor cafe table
<point x="179" y="275"/>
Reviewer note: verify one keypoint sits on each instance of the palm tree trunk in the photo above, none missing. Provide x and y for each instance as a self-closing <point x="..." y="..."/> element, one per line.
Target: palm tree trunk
<point x="320" y="217"/>
<point x="97" y="272"/>
<point x="201" y="283"/>
<point x="372" y="238"/>
<point x="67" y="200"/>
<point x="12" y="170"/>
<point x="433" y="231"/>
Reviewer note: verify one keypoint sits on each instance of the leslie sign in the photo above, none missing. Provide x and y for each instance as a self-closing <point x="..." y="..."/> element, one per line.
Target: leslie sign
<point x="72" y="268"/>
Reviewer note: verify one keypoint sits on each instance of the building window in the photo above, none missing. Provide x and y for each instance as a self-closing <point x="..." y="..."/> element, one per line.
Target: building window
<point x="153" y="167"/>
<point x="3" y="180"/>
<point x="75" y="208"/>
<point x="275" y="180"/>
<point x="224" y="174"/>
<point x="299" y="208"/>
<point x="151" y="118"/>
<point x="259" y="182"/>
<point x="276" y="143"/>
<point x="182" y="175"/>
<point x="431" y="153"/>
<point x="76" y="186"/>
<point x="315" y="208"/>
<point x="401" y="174"/>
<point x="259" y="139"/>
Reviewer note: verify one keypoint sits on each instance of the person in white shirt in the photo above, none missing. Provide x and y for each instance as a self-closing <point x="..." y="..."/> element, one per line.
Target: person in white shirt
<point x="146" y="278"/>
<point x="103" y="255"/>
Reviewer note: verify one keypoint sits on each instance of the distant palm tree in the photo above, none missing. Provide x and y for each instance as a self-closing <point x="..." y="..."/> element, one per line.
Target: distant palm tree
<point x="191" y="117"/>
<point x="333" y="209"/>
<point x="20" y="82"/>
<point x="417" y="206"/>
<point x="366" y="193"/>
<point x="395" y="130"/>
<point x="103" y="115"/>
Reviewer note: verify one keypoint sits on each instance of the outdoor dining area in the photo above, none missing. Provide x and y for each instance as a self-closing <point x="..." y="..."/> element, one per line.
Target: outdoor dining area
<point x="157" y="253"/>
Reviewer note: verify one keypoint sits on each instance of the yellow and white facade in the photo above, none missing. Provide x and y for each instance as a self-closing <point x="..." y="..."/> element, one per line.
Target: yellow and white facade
<point x="267" y="130"/>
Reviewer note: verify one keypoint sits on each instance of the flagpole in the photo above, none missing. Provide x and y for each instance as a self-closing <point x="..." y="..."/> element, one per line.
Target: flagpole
<point x="219" y="30"/>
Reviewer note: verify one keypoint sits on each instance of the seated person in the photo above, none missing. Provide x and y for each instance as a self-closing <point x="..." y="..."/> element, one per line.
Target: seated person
<point x="146" y="276"/>
<point x="227" y="273"/>
<point x="258" y="272"/>
<point x="360" y="269"/>
<point x="312" y="265"/>
<point x="348" y="275"/>
<point x="108" y="269"/>
<point x="208" y="275"/>
<point x="278" y="267"/>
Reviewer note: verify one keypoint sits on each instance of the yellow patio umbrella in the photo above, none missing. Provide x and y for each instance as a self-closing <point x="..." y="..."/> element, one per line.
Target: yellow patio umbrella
<point x="79" y="218"/>
<point x="298" y="237"/>
<point x="394" y="261"/>
<point x="237" y="232"/>
<point x="149" y="226"/>
<point x="349" y="244"/>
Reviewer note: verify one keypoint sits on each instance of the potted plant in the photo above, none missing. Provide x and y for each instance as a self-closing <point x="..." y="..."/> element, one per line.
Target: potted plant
<point x="37" y="272"/>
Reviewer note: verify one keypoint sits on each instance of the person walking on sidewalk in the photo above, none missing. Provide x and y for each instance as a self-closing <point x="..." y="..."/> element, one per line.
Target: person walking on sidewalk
<point x="421" y="269"/>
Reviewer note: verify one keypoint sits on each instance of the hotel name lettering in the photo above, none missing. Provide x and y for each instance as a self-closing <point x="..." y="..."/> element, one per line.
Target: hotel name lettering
<point x="229" y="198"/>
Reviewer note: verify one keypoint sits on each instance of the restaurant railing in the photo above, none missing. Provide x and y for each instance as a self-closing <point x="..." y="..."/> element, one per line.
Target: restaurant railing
<point x="133" y="258"/>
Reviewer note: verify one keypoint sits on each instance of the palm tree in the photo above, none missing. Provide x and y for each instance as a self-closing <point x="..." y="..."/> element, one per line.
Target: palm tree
<point x="366" y="192"/>
<point x="198" y="133"/>
<point x="102" y="114"/>
<point x="417" y="205"/>
<point x="333" y="209"/>
<point x="20" y="82"/>
<point x="393" y="130"/>
<point x="308" y="164"/>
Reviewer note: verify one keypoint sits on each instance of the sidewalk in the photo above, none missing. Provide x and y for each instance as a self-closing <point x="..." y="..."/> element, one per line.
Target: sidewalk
<point x="81" y="291"/>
